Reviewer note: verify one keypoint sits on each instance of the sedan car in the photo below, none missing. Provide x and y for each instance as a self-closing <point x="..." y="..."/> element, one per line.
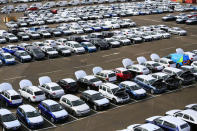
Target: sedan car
<point x="95" y="99"/>
<point x="50" y="52"/>
<point x="74" y="105"/>
<point x="22" y="56"/>
<point x="30" y="116"/>
<point x="36" y="53"/>
<point x="177" y="31"/>
<point x="169" y="18"/>
<point x="52" y="110"/>
<point x="89" y="47"/>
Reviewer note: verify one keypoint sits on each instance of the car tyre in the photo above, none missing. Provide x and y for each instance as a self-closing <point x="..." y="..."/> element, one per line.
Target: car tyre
<point x="52" y="120"/>
<point x="114" y="101"/>
<point x="152" y="91"/>
<point x="95" y="107"/>
<point x="29" y="99"/>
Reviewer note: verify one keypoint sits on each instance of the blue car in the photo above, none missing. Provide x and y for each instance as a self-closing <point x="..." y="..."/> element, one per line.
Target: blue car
<point x="133" y="89"/>
<point x="151" y="84"/>
<point x="89" y="47"/>
<point x="52" y="110"/>
<point x="30" y="116"/>
<point x="7" y="58"/>
<point x="9" y="96"/>
<point x="22" y="56"/>
<point x="96" y="28"/>
<point x="11" y="49"/>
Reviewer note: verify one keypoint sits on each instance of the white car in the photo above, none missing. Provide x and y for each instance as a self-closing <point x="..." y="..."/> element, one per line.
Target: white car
<point x="169" y="123"/>
<point x="177" y="31"/>
<point x="74" y="105"/>
<point x="163" y="61"/>
<point x="144" y="127"/>
<point x="51" y="89"/>
<point x="49" y="51"/>
<point x="192" y="56"/>
<point x="114" y="93"/>
<point x="194" y="64"/>
<point x="75" y="47"/>
<point x="8" y="120"/>
<point x="190" y="116"/>
<point x="191" y="106"/>
<point x="30" y="92"/>
<point x="135" y="68"/>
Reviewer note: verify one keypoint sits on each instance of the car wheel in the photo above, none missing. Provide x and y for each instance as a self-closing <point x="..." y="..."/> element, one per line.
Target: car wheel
<point x="52" y="120"/>
<point x="29" y="99"/>
<point x="74" y="113"/>
<point x="114" y="101"/>
<point x="95" y="108"/>
<point x="152" y="91"/>
<point x="21" y="60"/>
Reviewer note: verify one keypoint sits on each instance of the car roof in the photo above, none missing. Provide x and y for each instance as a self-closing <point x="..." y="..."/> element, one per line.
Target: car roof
<point x="52" y="84"/>
<point x="20" y="51"/>
<point x="33" y="88"/>
<point x="69" y="80"/>
<point x="173" y="120"/>
<point x="12" y="92"/>
<point x="106" y="71"/>
<point x="149" y="127"/>
<point x="138" y="66"/>
<point x="191" y="113"/>
<point x="27" y="108"/>
<point x="91" y="92"/>
<point x="49" y="102"/>
<point x="129" y="83"/>
<point x="146" y="77"/>
<point x="110" y="85"/>
<point x="150" y="62"/>
<point x="4" y="111"/>
<point x="71" y="97"/>
<point x="173" y="69"/>
<point x="5" y="54"/>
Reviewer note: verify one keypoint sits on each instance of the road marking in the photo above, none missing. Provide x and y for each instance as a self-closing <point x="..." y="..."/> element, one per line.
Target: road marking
<point x="146" y="52"/>
<point x="44" y="128"/>
<point x="17" y="77"/>
<point x="50" y="122"/>
<point x="108" y="61"/>
<point x="25" y="126"/>
<point x="73" y="117"/>
<point x="113" y="104"/>
<point x="49" y="72"/>
<point x="111" y="54"/>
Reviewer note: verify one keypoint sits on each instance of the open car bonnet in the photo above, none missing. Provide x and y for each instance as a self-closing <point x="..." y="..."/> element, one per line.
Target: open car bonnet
<point x="141" y="59"/>
<point x="179" y="51"/>
<point x="97" y="69"/>
<point x="154" y="57"/>
<point x="44" y="80"/>
<point x="25" y="83"/>
<point x="80" y="74"/>
<point x="5" y="86"/>
<point x="120" y="92"/>
<point x="127" y="62"/>
<point x="159" y="84"/>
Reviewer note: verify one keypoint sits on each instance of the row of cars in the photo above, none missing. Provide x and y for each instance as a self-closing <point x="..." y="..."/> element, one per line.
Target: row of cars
<point x="183" y="18"/>
<point x="86" y="43"/>
<point x="100" y="89"/>
<point x="174" y="120"/>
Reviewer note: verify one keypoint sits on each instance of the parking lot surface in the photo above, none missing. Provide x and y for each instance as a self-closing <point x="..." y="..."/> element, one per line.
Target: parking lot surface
<point x="117" y="116"/>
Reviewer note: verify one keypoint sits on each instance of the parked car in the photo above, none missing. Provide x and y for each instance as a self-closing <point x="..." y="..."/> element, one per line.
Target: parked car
<point x="95" y="100"/>
<point x="123" y="74"/>
<point x="8" y="120"/>
<point x="22" y="56"/>
<point x="146" y="127"/>
<point x="151" y="84"/>
<point x="74" y="105"/>
<point x="49" y="51"/>
<point x="30" y="116"/>
<point x="9" y="96"/>
<point x="114" y="93"/>
<point x="53" y="111"/>
<point x="62" y="50"/>
<point x="169" y="18"/>
<point x="69" y="85"/>
<point x="89" y="47"/>
<point x="133" y="89"/>
<point x="51" y="89"/>
<point x="30" y="92"/>
<point x="36" y="53"/>
<point x="7" y="58"/>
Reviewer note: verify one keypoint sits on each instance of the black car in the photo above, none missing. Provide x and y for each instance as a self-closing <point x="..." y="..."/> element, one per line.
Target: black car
<point x="76" y="38"/>
<point x="23" y="36"/>
<point x="191" y="21"/>
<point x="107" y="34"/>
<point x="62" y="50"/>
<point x="100" y="43"/>
<point x="55" y="32"/>
<point x="95" y="99"/>
<point x="169" y="18"/>
<point x="69" y="85"/>
<point x="181" y="20"/>
<point x="13" y="30"/>
<point x="36" y="53"/>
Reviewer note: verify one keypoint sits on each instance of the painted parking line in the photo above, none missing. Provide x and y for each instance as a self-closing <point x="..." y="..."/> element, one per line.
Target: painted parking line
<point x="13" y="78"/>
<point x="116" y="53"/>
<point x="49" y="122"/>
<point x="49" y="72"/>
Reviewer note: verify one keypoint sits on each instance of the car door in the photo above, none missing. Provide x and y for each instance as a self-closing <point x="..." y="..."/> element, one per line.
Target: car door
<point x="25" y="93"/>
<point x="109" y="93"/>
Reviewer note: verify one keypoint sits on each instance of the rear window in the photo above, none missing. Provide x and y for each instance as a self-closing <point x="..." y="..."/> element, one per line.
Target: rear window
<point x="38" y="93"/>
<point x="112" y="75"/>
<point x="184" y="126"/>
<point x="126" y="72"/>
<point x="15" y="97"/>
<point x="171" y="62"/>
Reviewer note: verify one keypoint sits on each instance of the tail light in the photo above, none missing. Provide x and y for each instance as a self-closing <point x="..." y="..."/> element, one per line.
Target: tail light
<point x="168" y="65"/>
<point x="107" y="79"/>
<point x="54" y="93"/>
<point x="34" y="97"/>
<point x="141" y="73"/>
<point x="191" y="58"/>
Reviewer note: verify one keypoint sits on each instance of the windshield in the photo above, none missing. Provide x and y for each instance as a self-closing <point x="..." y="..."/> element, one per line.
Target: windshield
<point x="156" y="64"/>
<point x="152" y="81"/>
<point x="114" y="90"/>
<point x="89" y="45"/>
<point x="56" y="88"/>
<point x="39" y="93"/>
<point x="134" y="87"/>
<point x="50" y="49"/>
<point x="32" y="114"/>
<point x="62" y="49"/>
<point x="179" y="73"/>
<point x="94" y="80"/>
<point x="77" y="45"/>
<point x="24" y="54"/>
<point x="15" y="97"/>
<point x="56" y="107"/>
<point x="72" y="84"/>
<point x="97" y="96"/>
<point x="8" y="118"/>
<point x="8" y="57"/>
<point x="37" y="51"/>
<point x="77" y="103"/>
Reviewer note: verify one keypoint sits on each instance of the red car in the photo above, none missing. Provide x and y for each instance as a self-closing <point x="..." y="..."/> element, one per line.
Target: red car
<point x="54" y="11"/>
<point x="32" y="8"/>
<point x="123" y="74"/>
